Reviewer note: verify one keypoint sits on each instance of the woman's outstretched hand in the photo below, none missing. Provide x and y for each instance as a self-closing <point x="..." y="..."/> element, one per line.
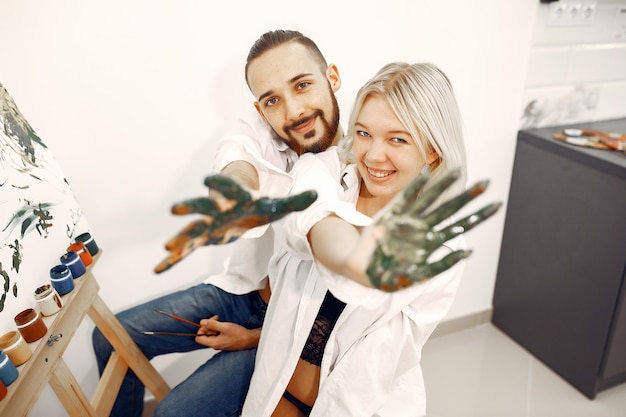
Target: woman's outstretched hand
<point x="228" y="212"/>
<point x="408" y="232"/>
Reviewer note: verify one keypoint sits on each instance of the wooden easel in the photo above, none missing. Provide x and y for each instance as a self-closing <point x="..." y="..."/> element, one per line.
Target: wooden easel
<point x="47" y="364"/>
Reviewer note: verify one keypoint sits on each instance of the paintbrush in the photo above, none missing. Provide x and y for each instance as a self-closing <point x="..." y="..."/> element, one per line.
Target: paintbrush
<point x="175" y="317"/>
<point x="174" y="334"/>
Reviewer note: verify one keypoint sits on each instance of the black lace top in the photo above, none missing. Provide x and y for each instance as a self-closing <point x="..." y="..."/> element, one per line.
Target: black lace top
<point x="322" y="327"/>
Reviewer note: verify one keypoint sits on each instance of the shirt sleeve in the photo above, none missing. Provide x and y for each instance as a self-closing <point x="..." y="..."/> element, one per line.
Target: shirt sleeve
<point x="253" y="141"/>
<point x="245" y="269"/>
<point x="320" y="172"/>
<point x="324" y="173"/>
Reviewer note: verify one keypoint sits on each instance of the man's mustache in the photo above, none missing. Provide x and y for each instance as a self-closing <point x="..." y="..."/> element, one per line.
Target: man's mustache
<point x="304" y="120"/>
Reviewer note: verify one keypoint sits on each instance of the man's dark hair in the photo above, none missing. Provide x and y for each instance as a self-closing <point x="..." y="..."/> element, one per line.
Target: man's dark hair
<point x="275" y="38"/>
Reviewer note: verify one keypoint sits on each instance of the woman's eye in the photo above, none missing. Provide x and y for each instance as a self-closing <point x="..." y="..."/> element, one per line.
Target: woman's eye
<point x="362" y="133"/>
<point x="399" y="140"/>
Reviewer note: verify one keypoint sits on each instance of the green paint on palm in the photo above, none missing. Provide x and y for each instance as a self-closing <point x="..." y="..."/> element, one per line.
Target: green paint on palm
<point x="401" y="257"/>
<point x="228" y="213"/>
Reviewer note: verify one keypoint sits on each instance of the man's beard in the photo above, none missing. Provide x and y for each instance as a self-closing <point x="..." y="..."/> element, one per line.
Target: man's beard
<point x="330" y="128"/>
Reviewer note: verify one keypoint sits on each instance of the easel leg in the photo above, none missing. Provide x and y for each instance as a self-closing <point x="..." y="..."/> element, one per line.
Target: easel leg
<point x="111" y="328"/>
<point x="69" y="392"/>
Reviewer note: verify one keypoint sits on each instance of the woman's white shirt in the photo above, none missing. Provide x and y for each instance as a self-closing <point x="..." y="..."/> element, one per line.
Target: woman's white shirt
<point x="371" y="363"/>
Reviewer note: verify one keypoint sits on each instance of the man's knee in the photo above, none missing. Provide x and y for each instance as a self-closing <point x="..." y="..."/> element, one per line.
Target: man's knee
<point x="165" y="408"/>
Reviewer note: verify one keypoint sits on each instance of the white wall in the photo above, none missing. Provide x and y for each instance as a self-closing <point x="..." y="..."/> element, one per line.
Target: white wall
<point x="577" y="68"/>
<point x="131" y="96"/>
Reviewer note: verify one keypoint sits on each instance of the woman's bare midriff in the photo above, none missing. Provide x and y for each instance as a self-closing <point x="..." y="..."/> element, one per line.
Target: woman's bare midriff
<point x="303" y="385"/>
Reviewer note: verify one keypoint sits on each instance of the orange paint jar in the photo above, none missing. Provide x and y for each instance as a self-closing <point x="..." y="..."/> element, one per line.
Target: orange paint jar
<point x="31" y="325"/>
<point x="13" y="344"/>
<point x="81" y="250"/>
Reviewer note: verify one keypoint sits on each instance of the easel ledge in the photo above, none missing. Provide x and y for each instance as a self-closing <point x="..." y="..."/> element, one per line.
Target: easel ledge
<point x="47" y="366"/>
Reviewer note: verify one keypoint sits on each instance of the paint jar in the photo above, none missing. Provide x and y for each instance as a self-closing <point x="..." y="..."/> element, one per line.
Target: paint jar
<point x="3" y="390"/>
<point x="74" y="263"/>
<point x="61" y="279"/>
<point x="81" y="250"/>
<point x="31" y="325"/>
<point x="8" y="371"/>
<point x="89" y="242"/>
<point x="13" y="344"/>
<point x="48" y="300"/>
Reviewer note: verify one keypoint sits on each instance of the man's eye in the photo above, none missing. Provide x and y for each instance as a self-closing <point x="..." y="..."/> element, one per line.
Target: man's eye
<point x="270" y="102"/>
<point x="303" y="85"/>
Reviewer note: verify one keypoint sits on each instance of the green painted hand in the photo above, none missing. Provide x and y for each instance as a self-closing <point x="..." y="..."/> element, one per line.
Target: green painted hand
<point x="401" y="256"/>
<point x="228" y="212"/>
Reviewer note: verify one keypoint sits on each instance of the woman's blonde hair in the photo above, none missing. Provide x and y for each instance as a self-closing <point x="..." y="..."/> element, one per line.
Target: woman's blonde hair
<point x="422" y="99"/>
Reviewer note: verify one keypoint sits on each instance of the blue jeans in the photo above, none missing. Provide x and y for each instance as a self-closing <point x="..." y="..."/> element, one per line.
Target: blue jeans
<point x="219" y="386"/>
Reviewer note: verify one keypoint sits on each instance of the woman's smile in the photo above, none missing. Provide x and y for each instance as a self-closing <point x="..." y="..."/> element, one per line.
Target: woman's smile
<point x="379" y="173"/>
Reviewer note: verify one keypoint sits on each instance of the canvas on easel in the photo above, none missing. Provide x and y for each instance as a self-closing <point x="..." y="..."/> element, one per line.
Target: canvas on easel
<point x="39" y="215"/>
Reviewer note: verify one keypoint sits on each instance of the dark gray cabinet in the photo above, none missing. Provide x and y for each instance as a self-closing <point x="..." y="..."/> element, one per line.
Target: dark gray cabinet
<point x="561" y="283"/>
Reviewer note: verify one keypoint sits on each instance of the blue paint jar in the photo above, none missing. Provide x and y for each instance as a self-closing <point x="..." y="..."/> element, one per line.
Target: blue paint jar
<point x="8" y="371"/>
<point x="61" y="279"/>
<point x="74" y="263"/>
<point x="89" y="242"/>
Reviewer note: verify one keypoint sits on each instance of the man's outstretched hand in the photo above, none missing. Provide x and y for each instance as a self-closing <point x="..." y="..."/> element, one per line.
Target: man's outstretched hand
<point x="228" y="212"/>
<point x="411" y="234"/>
